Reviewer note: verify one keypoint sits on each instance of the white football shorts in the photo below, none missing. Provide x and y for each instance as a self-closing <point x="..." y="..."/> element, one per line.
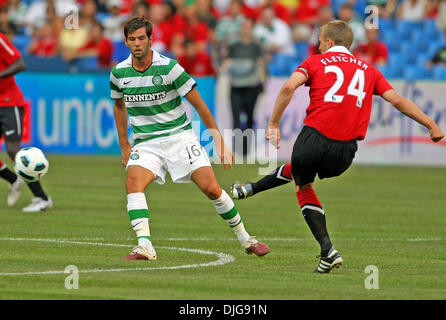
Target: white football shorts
<point x="180" y="155"/>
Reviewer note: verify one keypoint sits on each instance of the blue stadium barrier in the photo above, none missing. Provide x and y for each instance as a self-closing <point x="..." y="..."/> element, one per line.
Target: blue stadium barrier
<point x="87" y="64"/>
<point x="53" y="64"/>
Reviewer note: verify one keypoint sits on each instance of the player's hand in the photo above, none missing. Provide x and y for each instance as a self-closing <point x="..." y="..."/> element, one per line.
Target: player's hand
<point x="273" y="135"/>
<point x="436" y="133"/>
<point x="225" y="154"/>
<point x="125" y="154"/>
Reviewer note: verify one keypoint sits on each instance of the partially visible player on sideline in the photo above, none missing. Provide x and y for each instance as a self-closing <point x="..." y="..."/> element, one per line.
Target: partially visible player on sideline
<point x="11" y="121"/>
<point x="148" y="87"/>
<point x="341" y="91"/>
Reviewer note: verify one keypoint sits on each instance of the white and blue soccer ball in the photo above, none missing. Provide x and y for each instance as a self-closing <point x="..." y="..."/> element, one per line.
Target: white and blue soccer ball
<point x="31" y="164"/>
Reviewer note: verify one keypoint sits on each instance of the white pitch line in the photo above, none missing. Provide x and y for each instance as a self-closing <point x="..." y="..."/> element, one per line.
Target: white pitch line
<point x="303" y="239"/>
<point x="223" y="258"/>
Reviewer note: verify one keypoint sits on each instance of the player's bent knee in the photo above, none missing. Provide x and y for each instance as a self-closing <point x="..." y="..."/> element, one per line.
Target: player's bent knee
<point x="212" y="191"/>
<point x="134" y="184"/>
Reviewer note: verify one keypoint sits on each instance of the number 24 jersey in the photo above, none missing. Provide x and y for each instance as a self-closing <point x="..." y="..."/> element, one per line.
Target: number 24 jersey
<point x="341" y="91"/>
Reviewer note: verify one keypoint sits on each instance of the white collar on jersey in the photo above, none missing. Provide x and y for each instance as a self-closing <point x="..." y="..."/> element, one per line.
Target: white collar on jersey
<point x="339" y="49"/>
<point x="156" y="56"/>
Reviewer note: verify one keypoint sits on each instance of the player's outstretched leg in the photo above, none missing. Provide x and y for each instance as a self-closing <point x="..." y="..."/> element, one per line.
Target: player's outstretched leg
<point x="15" y="183"/>
<point x="280" y="176"/>
<point x="205" y="179"/>
<point x="138" y="178"/>
<point x="315" y="217"/>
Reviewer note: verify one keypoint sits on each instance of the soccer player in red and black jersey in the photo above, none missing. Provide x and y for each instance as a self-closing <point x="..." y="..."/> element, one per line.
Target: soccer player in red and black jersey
<point x="341" y="91"/>
<point x="11" y="121"/>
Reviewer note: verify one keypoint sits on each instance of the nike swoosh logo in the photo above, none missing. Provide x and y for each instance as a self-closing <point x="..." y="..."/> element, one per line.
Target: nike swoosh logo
<point x="126" y="83"/>
<point x="136" y="224"/>
<point x="191" y="162"/>
<point x="8" y="133"/>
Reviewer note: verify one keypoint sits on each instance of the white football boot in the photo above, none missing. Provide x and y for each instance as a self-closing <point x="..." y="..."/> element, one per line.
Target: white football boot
<point x="141" y="253"/>
<point x="38" y="204"/>
<point x="14" y="191"/>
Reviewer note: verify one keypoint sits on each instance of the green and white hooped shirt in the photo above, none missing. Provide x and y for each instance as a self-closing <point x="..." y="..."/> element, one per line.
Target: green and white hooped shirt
<point x="153" y="97"/>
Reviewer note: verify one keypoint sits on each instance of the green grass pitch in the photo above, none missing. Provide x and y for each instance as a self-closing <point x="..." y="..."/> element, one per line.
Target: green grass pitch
<point x="391" y="217"/>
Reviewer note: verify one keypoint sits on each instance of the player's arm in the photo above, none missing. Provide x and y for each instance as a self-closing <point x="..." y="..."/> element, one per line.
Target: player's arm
<point x="16" y="67"/>
<point x="411" y="110"/>
<point x="120" y="114"/>
<point x="206" y="116"/>
<point x="283" y="99"/>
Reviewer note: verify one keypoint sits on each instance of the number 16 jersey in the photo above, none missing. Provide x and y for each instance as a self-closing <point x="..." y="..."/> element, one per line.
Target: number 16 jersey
<point x="341" y="91"/>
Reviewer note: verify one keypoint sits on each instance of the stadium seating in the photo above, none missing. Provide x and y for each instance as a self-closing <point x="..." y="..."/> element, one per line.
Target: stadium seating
<point x="121" y="52"/>
<point x="21" y="42"/>
<point x="439" y="72"/>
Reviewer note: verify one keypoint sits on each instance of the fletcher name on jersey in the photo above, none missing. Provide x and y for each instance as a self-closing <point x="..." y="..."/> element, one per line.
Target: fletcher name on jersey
<point x="341" y="91"/>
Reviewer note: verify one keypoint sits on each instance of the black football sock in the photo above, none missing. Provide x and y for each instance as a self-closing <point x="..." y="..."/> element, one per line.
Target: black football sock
<point x="37" y="190"/>
<point x="315" y="217"/>
<point x="278" y="177"/>
<point x="8" y="175"/>
<point x="316" y="222"/>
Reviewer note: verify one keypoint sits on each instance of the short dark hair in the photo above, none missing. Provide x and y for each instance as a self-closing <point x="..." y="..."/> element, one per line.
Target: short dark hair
<point x="136" y="23"/>
<point x="338" y="31"/>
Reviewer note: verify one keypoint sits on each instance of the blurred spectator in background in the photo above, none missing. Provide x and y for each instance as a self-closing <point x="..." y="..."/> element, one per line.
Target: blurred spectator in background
<point x="88" y="14"/>
<point x="197" y="63"/>
<point x="221" y="5"/>
<point x="141" y="9"/>
<point x="6" y="27"/>
<point x="44" y="42"/>
<point x="441" y="15"/>
<point x="37" y="11"/>
<point x="372" y="51"/>
<point x="71" y="40"/>
<point x="274" y="34"/>
<point x="412" y="10"/>
<point x="207" y="13"/>
<point x="228" y="30"/>
<point x="17" y="12"/>
<point x="253" y="9"/>
<point x="196" y="30"/>
<point x="347" y="14"/>
<point x="175" y="16"/>
<point x="303" y="32"/>
<point x="245" y="66"/>
<point x="161" y="28"/>
<point x="308" y="11"/>
<point x="228" y="27"/>
<point x="113" y="23"/>
<point x="96" y="46"/>
<point x="55" y="22"/>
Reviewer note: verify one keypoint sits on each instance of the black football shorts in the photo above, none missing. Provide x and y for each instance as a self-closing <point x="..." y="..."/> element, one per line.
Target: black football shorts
<point x="314" y="153"/>
<point x="11" y="122"/>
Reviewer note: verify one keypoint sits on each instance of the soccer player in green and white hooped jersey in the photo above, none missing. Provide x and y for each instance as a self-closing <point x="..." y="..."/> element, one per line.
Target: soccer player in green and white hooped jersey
<point x="149" y="87"/>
